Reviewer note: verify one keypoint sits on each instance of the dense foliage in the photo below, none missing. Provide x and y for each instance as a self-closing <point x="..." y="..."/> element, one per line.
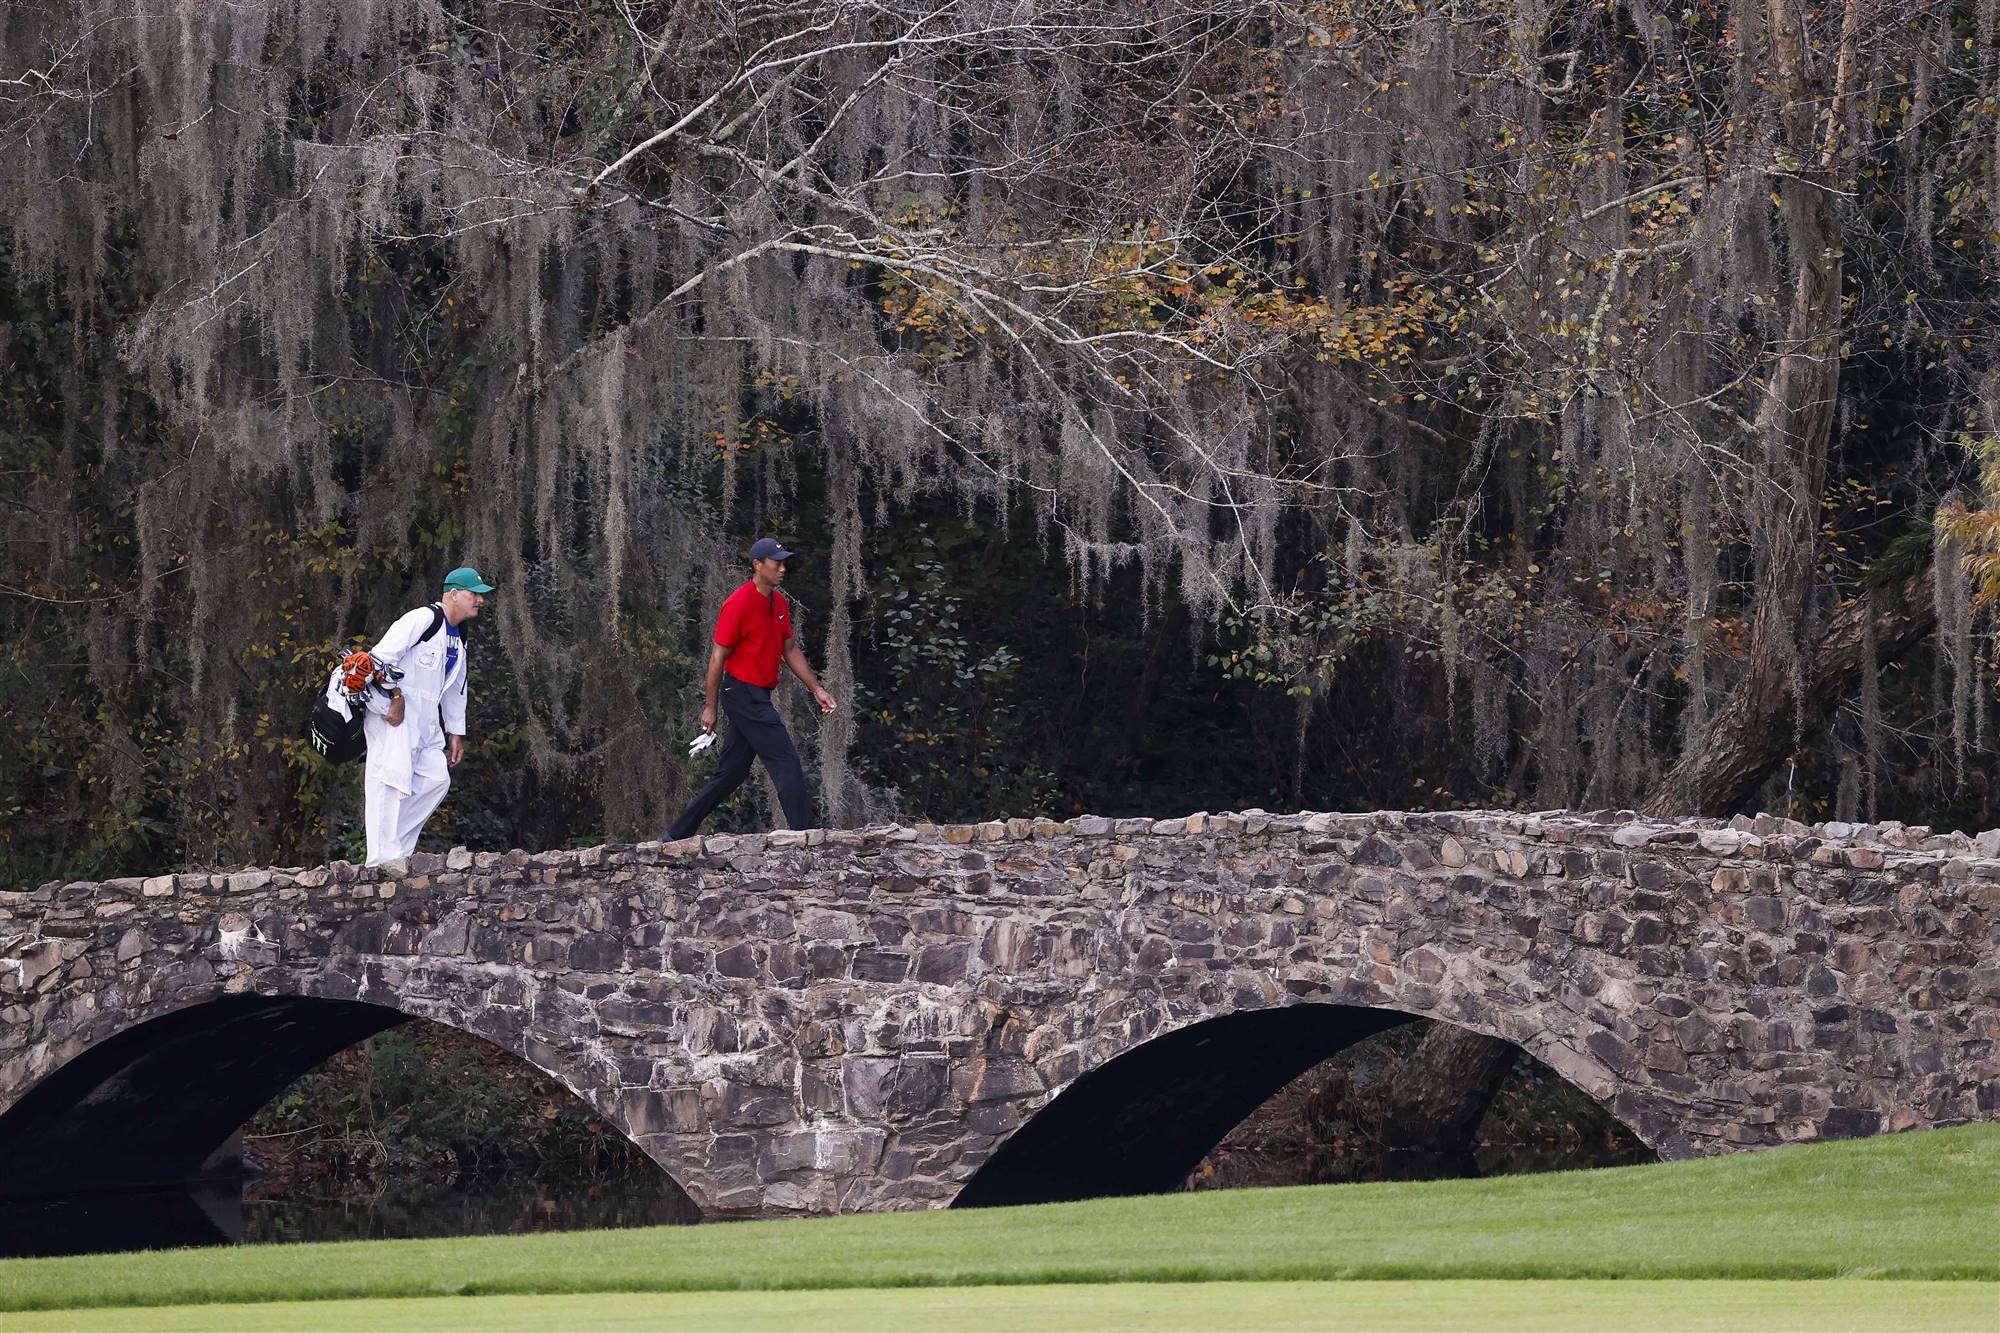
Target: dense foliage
<point x="1181" y="403"/>
<point x="423" y="1100"/>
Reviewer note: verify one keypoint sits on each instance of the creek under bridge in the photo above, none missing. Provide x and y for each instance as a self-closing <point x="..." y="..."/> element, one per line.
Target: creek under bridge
<point x="826" y="1021"/>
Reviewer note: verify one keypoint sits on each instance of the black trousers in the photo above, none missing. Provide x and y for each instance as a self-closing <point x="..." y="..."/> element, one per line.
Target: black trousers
<point x="755" y="732"/>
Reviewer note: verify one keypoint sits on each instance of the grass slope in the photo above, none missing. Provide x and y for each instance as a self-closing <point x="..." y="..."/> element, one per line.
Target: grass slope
<point x="1492" y="1307"/>
<point x="1905" y="1206"/>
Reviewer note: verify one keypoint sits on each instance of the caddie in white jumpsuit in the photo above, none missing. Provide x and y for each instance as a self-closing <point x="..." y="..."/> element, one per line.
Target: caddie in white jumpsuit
<point x="416" y="735"/>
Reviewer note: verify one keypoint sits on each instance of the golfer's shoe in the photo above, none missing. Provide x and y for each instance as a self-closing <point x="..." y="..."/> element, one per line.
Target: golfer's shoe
<point x="701" y="742"/>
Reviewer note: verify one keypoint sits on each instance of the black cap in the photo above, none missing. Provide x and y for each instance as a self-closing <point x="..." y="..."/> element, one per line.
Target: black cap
<point x="768" y="548"/>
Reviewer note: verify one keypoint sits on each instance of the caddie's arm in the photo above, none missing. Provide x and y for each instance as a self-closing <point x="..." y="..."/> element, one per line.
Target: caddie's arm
<point x="796" y="660"/>
<point x="717" y="655"/>
<point x="390" y="652"/>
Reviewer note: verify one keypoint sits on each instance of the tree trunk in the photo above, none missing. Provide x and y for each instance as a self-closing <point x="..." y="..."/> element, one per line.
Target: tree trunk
<point x="1441" y="1091"/>
<point x="1903" y="611"/>
<point x="1742" y="749"/>
<point x="1762" y="719"/>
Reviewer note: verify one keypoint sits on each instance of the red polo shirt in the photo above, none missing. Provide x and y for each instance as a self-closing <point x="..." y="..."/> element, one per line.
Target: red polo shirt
<point x="755" y="626"/>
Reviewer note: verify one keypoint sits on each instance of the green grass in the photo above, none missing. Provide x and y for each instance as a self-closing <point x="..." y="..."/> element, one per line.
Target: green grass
<point x="1492" y="1307"/>
<point x="1917" y="1206"/>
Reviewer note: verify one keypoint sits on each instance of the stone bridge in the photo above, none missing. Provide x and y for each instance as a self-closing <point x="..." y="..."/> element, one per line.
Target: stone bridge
<point x="824" y="1021"/>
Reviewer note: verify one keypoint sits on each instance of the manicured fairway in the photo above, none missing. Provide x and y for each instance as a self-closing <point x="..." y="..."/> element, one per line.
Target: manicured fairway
<point x="1492" y="1307"/>
<point x="1915" y="1206"/>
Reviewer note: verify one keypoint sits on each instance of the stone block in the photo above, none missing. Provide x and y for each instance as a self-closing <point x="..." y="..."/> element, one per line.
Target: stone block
<point x="450" y="937"/>
<point x="33" y="966"/>
<point x="1697" y="1034"/>
<point x="824" y="960"/>
<point x="996" y="1079"/>
<point x="594" y="952"/>
<point x="873" y="964"/>
<point x="996" y="1118"/>
<point x="1667" y="1056"/>
<point x="943" y="964"/>
<point x="1850" y="1122"/>
<point x="916" y="1086"/>
<point x="867" y="1082"/>
<point x="739" y="960"/>
<point x="1613" y="1054"/>
<point x="745" y="1106"/>
<point x="849" y="1152"/>
<point x="1376" y="851"/>
<point x="782" y="1154"/>
<point x="1765" y="912"/>
<point x="1425" y="965"/>
<point x="1010" y="946"/>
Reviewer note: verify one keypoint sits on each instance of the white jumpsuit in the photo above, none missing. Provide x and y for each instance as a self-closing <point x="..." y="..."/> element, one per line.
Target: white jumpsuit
<point x="406" y="774"/>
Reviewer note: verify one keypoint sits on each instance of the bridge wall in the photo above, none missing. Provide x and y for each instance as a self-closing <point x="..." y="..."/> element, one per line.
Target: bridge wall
<point x="828" y="1021"/>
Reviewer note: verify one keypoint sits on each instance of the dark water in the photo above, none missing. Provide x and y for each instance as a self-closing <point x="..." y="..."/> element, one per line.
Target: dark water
<point x="259" y="1214"/>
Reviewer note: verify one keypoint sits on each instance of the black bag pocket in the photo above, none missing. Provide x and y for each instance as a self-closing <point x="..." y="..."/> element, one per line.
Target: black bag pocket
<point x="339" y="740"/>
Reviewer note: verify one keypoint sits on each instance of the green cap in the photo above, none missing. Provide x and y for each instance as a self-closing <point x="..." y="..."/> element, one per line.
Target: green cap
<point x="466" y="579"/>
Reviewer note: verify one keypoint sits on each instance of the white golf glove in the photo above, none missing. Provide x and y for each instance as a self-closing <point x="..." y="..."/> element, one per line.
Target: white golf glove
<point x="701" y="742"/>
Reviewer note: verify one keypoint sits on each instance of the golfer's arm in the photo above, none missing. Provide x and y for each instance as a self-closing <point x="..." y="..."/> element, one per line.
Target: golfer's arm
<point x="717" y="655"/>
<point x="796" y="660"/>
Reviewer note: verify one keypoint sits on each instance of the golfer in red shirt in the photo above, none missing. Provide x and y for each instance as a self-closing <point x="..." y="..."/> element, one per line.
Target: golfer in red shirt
<point x="752" y="634"/>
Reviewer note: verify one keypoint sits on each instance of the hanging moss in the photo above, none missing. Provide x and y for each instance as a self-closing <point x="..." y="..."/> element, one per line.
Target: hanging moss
<point x="1458" y="328"/>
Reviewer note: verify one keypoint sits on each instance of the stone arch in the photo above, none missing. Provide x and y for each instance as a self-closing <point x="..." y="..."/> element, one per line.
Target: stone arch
<point x="158" y="1103"/>
<point x="1142" y="1120"/>
<point x="152" y="1104"/>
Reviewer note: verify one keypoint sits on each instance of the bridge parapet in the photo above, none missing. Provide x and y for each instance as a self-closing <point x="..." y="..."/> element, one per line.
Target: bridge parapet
<point x="835" y="1019"/>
